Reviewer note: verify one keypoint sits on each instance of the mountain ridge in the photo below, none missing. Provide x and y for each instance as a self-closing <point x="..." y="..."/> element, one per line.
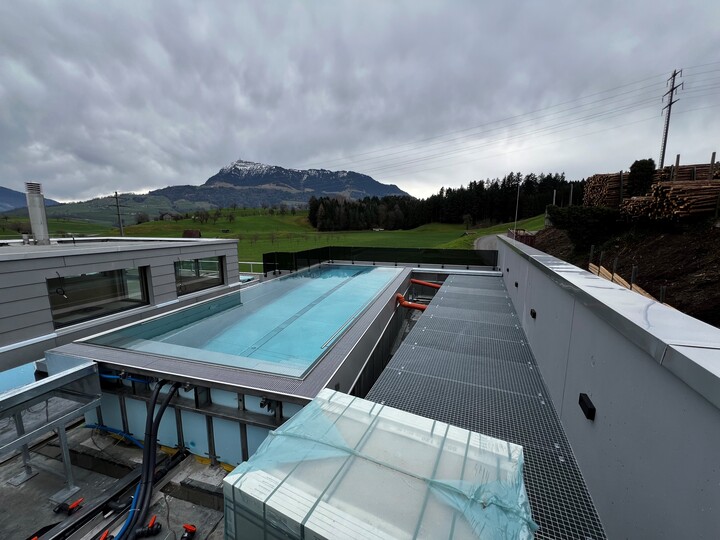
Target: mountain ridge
<point x="11" y="199"/>
<point x="241" y="183"/>
<point x="250" y="183"/>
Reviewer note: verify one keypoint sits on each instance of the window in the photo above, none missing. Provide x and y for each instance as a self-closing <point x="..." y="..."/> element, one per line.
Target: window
<point x="198" y="274"/>
<point x="75" y="299"/>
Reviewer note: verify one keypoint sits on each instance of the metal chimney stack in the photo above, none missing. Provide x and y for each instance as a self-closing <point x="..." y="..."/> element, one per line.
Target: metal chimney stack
<point x="36" y="209"/>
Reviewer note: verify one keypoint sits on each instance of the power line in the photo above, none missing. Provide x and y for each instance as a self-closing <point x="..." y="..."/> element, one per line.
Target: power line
<point x="500" y="154"/>
<point x="703" y="65"/>
<point x="422" y="149"/>
<point x="651" y="103"/>
<point x="524" y="149"/>
<point x="398" y="158"/>
<point x="450" y="133"/>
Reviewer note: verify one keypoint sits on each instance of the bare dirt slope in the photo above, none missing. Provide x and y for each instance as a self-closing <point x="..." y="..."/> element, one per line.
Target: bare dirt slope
<point x="686" y="260"/>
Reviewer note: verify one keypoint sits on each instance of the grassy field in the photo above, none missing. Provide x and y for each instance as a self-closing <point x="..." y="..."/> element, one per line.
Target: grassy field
<point x="59" y="227"/>
<point x="258" y="233"/>
<point x="262" y="234"/>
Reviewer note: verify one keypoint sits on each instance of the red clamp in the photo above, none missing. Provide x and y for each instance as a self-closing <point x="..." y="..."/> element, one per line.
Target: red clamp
<point x="190" y="531"/>
<point x="69" y="509"/>
<point x="106" y="535"/>
<point x="153" y="528"/>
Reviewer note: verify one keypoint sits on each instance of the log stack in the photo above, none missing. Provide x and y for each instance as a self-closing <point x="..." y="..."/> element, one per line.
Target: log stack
<point x="603" y="190"/>
<point x="687" y="173"/>
<point x="675" y="200"/>
<point x="638" y="207"/>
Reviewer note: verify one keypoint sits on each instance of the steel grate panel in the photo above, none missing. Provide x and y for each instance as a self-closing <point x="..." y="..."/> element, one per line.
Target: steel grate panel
<point x="560" y="502"/>
<point x="474" y="304"/>
<point x="514" y="377"/>
<point x="472" y="367"/>
<point x="478" y="408"/>
<point x="470" y="291"/>
<point x="444" y="342"/>
<point x="475" y="298"/>
<point x="473" y="315"/>
<point x="473" y="330"/>
<point x="476" y="282"/>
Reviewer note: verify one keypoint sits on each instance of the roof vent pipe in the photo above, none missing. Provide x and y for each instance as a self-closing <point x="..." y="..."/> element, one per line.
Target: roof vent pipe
<point x="36" y="209"/>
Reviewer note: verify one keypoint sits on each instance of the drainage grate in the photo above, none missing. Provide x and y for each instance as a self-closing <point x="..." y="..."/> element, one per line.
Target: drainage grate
<point x="469" y="365"/>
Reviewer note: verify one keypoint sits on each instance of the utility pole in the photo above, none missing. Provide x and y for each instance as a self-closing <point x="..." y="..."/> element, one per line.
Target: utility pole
<point x="517" y="206"/>
<point x="117" y="207"/>
<point x="672" y="92"/>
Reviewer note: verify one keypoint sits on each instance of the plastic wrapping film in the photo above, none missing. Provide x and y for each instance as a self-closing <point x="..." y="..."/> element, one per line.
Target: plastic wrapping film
<point x="345" y="467"/>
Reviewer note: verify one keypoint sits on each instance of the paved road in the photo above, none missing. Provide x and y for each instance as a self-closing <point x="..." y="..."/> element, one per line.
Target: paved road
<point x="486" y="242"/>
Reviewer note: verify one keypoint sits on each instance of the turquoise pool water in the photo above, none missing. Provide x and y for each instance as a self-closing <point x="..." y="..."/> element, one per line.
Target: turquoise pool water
<point x="280" y="327"/>
<point x="17" y="377"/>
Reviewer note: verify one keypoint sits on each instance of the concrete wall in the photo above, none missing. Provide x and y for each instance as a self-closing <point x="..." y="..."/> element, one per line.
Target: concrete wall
<point x="26" y="317"/>
<point x="650" y="456"/>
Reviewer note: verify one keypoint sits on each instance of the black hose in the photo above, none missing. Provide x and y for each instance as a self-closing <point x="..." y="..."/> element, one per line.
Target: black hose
<point x="147" y="445"/>
<point x="146" y="490"/>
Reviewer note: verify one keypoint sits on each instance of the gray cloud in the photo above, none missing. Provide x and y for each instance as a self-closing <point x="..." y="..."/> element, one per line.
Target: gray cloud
<point x="130" y="96"/>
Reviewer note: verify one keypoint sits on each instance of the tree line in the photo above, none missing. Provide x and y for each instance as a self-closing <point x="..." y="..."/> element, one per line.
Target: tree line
<point x="485" y="201"/>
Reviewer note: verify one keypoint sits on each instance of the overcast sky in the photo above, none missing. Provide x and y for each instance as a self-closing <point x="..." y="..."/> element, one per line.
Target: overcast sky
<point x="131" y="96"/>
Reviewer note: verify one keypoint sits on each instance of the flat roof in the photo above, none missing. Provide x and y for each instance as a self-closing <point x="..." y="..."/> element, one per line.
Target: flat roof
<point x="63" y="247"/>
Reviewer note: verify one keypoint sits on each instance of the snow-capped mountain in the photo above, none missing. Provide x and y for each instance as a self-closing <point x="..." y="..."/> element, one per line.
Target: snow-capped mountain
<point x="243" y="174"/>
<point x="253" y="184"/>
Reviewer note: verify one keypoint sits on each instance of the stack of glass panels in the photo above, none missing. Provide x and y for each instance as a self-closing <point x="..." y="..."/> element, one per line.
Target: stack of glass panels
<point x="344" y="467"/>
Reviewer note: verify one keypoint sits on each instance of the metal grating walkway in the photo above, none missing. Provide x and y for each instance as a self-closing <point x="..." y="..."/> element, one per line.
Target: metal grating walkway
<point x="466" y="362"/>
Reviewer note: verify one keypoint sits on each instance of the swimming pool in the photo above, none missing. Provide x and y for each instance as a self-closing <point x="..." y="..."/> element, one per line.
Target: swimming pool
<point x="282" y="327"/>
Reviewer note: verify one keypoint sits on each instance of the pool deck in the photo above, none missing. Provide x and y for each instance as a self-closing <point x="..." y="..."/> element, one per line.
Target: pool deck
<point x="467" y="362"/>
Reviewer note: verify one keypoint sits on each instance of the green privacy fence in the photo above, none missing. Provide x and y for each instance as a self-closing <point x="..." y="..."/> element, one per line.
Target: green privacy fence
<point x="297" y="260"/>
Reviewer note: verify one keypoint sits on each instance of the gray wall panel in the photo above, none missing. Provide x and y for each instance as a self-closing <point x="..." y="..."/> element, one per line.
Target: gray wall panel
<point x="21" y="292"/>
<point x="81" y="266"/>
<point x="20" y="307"/>
<point x="11" y="325"/>
<point x="21" y="265"/>
<point x="27" y="277"/>
<point x="548" y="332"/>
<point x="650" y="456"/>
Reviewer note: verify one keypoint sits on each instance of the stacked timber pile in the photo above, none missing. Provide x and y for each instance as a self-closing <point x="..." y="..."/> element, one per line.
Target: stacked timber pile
<point x="687" y="173"/>
<point x="675" y="200"/>
<point x="603" y="190"/>
<point x="638" y="207"/>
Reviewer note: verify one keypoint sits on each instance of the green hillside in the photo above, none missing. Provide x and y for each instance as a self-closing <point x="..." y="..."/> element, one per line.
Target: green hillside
<point x="258" y="231"/>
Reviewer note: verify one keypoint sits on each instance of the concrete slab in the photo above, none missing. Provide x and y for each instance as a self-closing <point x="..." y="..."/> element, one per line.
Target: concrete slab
<point x="27" y="507"/>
